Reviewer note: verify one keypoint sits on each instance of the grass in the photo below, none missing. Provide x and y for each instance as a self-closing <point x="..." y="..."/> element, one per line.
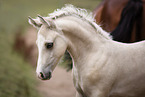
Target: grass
<point x="17" y="77"/>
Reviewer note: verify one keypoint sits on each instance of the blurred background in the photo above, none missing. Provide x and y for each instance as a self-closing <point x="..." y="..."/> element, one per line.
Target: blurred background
<point x="18" y="52"/>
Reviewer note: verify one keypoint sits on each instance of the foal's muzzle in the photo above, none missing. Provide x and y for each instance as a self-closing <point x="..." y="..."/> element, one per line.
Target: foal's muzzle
<point x="43" y="76"/>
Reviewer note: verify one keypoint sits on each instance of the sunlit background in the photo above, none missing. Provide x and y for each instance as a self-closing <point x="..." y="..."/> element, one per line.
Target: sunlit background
<point x="18" y="52"/>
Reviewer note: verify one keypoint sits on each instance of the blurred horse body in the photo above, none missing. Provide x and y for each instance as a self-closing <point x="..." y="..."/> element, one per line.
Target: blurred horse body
<point x="125" y="19"/>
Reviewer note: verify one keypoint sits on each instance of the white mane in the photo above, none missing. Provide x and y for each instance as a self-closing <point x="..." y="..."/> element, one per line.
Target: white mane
<point x="83" y="13"/>
<point x="70" y="9"/>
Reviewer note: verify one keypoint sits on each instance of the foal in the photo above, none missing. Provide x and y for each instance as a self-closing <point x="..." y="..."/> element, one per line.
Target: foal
<point x="101" y="67"/>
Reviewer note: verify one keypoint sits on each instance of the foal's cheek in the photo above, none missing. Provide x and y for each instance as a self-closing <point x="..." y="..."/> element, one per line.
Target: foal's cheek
<point x="60" y="47"/>
<point x="59" y="51"/>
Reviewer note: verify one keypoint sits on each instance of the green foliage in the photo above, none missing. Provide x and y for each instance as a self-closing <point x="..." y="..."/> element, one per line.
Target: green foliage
<point x="87" y="4"/>
<point x="14" y="13"/>
<point x="16" y="76"/>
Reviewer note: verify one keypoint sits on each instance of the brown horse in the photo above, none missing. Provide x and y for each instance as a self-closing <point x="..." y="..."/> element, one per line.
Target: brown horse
<point x="125" y="19"/>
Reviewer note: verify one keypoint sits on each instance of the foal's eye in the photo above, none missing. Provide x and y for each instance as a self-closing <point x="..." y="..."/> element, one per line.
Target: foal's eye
<point x="48" y="45"/>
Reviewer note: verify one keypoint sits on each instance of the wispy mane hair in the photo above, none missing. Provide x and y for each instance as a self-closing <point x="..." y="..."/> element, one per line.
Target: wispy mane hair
<point x="69" y="10"/>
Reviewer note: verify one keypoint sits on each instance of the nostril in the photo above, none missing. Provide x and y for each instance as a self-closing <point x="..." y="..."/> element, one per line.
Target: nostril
<point x="41" y="75"/>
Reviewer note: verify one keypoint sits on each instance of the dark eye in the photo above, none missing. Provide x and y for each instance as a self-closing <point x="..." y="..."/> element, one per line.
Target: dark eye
<point x="48" y="45"/>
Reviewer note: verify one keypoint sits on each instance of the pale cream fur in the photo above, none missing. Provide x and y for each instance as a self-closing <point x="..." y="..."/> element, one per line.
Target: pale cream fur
<point x="102" y="67"/>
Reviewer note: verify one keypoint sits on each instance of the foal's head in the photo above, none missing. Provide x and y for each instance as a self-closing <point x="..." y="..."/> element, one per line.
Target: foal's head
<point x="51" y="46"/>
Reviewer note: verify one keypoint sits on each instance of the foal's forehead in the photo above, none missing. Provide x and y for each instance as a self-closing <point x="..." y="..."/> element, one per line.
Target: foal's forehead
<point x="46" y="34"/>
<point x="45" y="29"/>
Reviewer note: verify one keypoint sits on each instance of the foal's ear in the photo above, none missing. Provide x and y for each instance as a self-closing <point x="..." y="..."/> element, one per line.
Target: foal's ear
<point x="49" y="23"/>
<point x="35" y="22"/>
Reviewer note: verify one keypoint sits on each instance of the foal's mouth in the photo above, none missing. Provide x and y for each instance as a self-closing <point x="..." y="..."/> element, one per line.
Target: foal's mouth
<point x="43" y="76"/>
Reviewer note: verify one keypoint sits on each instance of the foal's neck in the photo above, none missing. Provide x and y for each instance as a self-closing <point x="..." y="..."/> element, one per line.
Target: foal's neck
<point x="82" y="37"/>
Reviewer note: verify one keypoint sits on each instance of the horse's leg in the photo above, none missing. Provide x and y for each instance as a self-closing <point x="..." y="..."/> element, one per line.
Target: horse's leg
<point x="80" y="92"/>
<point x="78" y="88"/>
<point x="78" y="95"/>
